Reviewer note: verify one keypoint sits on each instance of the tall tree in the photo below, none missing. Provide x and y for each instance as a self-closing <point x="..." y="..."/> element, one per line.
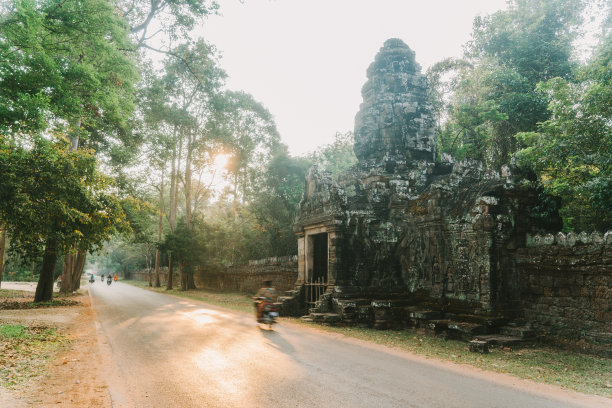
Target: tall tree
<point x="65" y="70"/>
<point x="572" y="150"/>
<point x="51" y="197"/>
<point x="2" y="251"/>
<point x="510" y="52"/>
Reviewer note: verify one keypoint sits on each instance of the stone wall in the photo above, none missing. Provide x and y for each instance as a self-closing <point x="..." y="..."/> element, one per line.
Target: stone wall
<point x="566" y="288"/>
<point x="143" y="275"/>
<point x="282" y="271"/>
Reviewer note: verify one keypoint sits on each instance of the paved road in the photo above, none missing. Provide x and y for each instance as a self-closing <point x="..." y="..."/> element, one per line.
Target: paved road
<point x="172" y="352"/>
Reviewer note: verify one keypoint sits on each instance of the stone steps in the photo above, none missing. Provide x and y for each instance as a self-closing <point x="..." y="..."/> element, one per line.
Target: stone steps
<point x="464" y="330"/>
<point x="482" y="343"/>
<point x="518" y="331"/>
<point x="425" y="315"/>
<point x="325" y="318"/>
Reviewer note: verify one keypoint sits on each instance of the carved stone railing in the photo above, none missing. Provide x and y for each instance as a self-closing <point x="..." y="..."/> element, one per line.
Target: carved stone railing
<point x="570" y="239"/>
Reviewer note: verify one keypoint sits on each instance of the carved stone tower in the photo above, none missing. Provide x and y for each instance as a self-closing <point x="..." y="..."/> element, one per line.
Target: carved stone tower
<point x="395" y="120"/>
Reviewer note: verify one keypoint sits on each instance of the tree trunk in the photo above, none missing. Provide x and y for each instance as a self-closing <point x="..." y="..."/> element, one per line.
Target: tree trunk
<point x="190" y="281"/>
<point x="170" y="272"/>
<point x="159" y="229"/>
<point x="182" y="276"/>
<point x="77" y="271"/>
<point x="187" y="186"/>
<point x="147" y="260"/>
<point x="173" y="188"/>
<point x="2" y="252"/>
<point x="44" y="288"/>
<point x="172" y="213"/>
<point x="157" y="283"/>
<point x="67" y="272"/>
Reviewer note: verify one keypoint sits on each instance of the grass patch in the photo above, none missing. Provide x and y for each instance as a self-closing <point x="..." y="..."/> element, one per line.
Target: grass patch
<point x="234" y="301"/>
<point x="12" y="331"/>
<point x="20" y="303"/>
<point x="578" y="372"/>
<point x="24" y="352"/>
<point x="12" y="294"/>
<point x="20" y="299"/>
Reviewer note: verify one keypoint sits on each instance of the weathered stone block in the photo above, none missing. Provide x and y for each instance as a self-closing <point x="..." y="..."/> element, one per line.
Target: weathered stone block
<point x="479" y="346"/>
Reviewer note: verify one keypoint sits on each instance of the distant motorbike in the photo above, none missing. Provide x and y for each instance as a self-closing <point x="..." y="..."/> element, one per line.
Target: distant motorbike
<point x="269" y="312"/>
<point x="109" y="281"/>
<point x="91" y="280"/>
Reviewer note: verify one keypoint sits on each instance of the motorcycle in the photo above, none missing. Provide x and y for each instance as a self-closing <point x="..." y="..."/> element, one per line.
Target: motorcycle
<point x="91" y="280"/>
<point x="269" y="312"/>
<point x="109" y="281"/>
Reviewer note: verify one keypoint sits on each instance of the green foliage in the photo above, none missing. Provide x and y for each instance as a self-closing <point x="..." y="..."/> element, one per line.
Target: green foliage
<point x="63" y="65"/>
<point x="531" y="37"/>
<point x="25" y="352"/>
<point x="173" y="18"/>
<point x="337" y="156"/>
<point x="16" y="331"/>
<point x="273" y="207"/>
<point x="495" y="93"/>
<point x="53" y="192"/>
<point x="192" y="246"/>
<point x="519" y="93"/>
<point x="572" y="151"/>
<point x="249" y="133"/>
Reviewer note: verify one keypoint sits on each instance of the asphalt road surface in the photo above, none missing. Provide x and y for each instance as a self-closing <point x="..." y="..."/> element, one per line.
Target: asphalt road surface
<point x="171" y="352"/>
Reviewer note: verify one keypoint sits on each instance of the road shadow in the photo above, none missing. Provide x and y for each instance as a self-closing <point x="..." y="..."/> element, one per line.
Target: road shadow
<point x="277" y="341"/>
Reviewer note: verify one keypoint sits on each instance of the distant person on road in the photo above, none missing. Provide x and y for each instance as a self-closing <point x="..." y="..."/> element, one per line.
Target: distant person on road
<point x="116" y="277"/>
<point x="267" y="294"/>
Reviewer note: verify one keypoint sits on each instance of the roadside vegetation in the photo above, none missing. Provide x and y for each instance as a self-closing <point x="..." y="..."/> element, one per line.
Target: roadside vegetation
<point x="26" y="347"/>
<point x="574" y="371"/>
<point x="25" y="351"/>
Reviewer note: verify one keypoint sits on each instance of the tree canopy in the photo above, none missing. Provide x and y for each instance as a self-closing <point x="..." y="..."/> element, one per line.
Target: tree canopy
<point x="519" y="94"/>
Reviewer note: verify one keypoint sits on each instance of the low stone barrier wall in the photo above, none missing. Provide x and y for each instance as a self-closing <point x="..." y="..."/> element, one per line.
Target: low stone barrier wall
<point x="143" y="275"/>
<point x="566" y="289"/>
<point x="282" y="271"/>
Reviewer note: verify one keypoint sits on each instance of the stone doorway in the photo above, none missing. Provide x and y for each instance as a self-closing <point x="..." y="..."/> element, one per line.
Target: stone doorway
<point x="318" y="261"/>
<point x="319" y="257"/>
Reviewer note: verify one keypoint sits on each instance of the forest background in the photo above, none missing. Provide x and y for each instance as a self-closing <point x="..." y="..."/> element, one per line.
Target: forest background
<point x="138" y="164"/>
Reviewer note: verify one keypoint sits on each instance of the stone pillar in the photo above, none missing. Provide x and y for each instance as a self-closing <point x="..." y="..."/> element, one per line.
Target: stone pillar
<point x="301" y="241"/>
<point x="334" y="256"/>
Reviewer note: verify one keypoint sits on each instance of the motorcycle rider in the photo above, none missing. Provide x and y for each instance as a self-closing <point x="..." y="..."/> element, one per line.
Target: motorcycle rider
<point x="267" y="294"/>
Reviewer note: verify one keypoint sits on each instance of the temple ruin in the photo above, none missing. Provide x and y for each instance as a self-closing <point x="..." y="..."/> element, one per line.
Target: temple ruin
<point x="403" y="240"/>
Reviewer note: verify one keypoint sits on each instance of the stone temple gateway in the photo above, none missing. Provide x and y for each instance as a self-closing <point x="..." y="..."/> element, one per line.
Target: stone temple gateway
<point x="401" y="239"/>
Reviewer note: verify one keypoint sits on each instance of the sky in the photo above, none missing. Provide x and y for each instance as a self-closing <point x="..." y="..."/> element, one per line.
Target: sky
<point x="306" y="60"/>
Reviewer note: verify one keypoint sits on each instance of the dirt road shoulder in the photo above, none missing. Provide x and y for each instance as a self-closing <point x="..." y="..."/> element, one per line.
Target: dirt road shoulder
<point x="74" y="374"/>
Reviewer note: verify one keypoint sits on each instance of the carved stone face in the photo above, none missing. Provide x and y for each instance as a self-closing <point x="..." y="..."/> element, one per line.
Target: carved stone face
<point x="310" y="187"/>
<point x="395" y="117"/>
